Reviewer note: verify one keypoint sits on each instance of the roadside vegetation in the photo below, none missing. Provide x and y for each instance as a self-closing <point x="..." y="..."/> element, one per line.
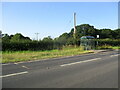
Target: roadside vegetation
<point x="16" y="48"/>
<point x="108" y="47"/>
<point x="17" y="56"/>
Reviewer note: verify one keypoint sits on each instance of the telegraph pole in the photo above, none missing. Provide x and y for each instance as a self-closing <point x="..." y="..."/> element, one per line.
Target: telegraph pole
<point x="74" y="33"/>
<point x="37" y="36"/>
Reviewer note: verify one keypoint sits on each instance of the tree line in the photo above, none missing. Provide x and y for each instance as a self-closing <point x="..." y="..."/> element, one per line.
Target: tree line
<point x="20" y="42"/>
<point x="88" y="30"/>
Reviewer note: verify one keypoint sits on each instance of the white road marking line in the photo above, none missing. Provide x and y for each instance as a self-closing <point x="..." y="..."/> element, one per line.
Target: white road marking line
<point x="25" y="67"/>
<point x="14" y="74"/>
<point x="80" y="62"/>
<point x="114" y="55"/>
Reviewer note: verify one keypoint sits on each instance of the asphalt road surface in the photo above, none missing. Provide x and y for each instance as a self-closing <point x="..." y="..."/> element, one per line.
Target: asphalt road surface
<point x="96" y="70"/>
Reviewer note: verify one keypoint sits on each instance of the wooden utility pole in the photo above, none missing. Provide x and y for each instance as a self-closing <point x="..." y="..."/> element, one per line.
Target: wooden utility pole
<point x="74" y="33"/>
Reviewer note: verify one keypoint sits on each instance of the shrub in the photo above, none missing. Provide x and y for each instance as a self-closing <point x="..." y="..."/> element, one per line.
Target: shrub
<point x="105" y="47"/>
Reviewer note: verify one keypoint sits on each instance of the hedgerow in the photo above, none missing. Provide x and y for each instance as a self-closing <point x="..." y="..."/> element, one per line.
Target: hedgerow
<point x="49" y="45"/>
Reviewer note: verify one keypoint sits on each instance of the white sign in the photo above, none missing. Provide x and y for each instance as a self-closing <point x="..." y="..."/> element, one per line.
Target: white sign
<point x="97" y="36"/>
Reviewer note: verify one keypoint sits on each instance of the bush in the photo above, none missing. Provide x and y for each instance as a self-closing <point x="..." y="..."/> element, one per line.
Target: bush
<point x="49" y="45"/>
<point x="31" y="45"/>
<point x="111" y="42"/>
<point x="105" y="47"/>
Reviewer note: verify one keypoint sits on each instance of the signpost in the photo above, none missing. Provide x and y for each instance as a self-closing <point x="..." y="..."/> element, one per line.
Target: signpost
<point x="97" y="38"/>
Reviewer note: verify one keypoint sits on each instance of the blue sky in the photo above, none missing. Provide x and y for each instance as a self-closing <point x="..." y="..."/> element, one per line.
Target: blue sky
<point x="53" y="19"/>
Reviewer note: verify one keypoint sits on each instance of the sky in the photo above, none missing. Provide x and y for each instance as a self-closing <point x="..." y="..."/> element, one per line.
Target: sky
<point x="55" y="18"/>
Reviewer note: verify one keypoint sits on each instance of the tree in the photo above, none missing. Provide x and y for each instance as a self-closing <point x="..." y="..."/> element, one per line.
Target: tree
<point x="0" y="34"/>
<point x="47" y="39"/>
<point x="18" y="37"/>
<point x="84" y="30"/>
<point x="5" y="38"/>
<point x="63" y="38"/>
<point x="106" y="33"/>
<point x="117" y="34"/>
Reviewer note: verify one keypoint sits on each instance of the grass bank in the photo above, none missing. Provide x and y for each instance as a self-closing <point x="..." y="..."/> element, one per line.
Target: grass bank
<point x="108" y="47"/>
<point x="116" y="47"/>
<point x="18" y="56"/>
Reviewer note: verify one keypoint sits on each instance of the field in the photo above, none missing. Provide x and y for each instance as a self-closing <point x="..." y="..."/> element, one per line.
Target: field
<point x="17" y="56"/>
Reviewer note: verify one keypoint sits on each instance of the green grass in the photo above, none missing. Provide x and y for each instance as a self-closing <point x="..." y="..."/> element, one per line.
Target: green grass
<point x="108" y="47"/>
<point x="116" y="47"/>
<point x="18" y="56"/>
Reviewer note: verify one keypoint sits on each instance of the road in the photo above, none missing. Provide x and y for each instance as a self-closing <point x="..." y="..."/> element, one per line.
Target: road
<point x="96" y="70"/>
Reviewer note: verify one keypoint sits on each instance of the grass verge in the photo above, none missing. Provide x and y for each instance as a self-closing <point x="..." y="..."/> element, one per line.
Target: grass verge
<point x="108" y="47"/>
<point x="116" y="47"/>
<point x="18" y="56"/>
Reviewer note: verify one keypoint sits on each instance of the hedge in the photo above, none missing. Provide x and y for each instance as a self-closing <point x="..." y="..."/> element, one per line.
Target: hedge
<point x="49" y="45"/>
<point x="111" y="42"/>
<point x="19" y="46"/>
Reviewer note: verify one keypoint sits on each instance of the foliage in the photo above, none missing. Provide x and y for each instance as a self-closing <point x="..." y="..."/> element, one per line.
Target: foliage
<point x="19" y="42"/>
<point x="17" y="56"/>
<point x="117" y="34"/>
<point x="104" y="47"/>
<point x="112" y="42"/>
<point x="47" y="39"/>
<point x="29" y="45"/>
<point x="6" y="38"/>
<point x="88" y="30"/>
<point x="19" y="37"/>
